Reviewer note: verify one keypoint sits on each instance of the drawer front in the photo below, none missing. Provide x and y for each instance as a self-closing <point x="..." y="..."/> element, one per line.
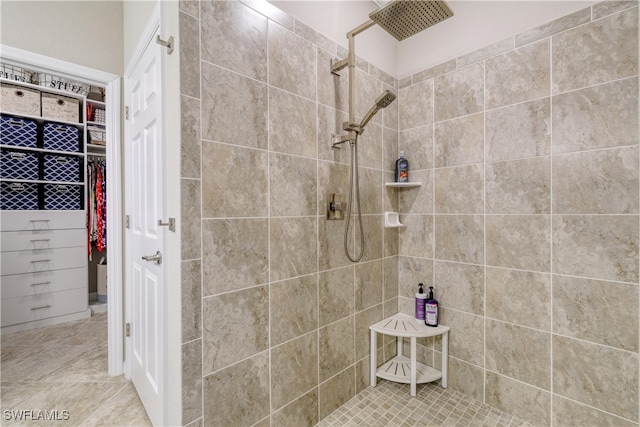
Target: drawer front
<point x="42" y="239"/>
<point x="22" y="285"/>
<point x="40" y="220"/>
<point x="21" y="262"/>
<point x="43" y="306"/>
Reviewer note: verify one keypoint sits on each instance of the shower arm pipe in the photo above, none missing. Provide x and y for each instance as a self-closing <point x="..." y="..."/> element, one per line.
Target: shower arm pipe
<point x="350" y="61"/>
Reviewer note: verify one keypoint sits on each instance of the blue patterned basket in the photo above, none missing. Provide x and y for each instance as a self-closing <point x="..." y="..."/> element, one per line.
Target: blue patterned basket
<point x="18" y="165"/>
<point x="61" y="137"/>
<point x="62" y="197"/>
<point x="18" y="132"/>
<point x="61" y="168"/>
<point x="18" y="196"/>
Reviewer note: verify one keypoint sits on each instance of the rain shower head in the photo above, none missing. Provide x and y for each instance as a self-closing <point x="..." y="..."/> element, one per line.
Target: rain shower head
<point x="404" y="18"/>
<point x="382" y="101"/>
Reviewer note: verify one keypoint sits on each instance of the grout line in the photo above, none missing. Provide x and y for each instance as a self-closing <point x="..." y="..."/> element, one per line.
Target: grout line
<point x="484" y="225"/>
<point x="551" y="267"/>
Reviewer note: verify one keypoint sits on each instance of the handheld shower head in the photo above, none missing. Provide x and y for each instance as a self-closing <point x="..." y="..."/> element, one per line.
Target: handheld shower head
<point x="382" y="101"/>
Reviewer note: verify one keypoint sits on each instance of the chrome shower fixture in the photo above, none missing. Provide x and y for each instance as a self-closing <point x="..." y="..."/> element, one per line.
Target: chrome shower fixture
<point x="403" y="19"/>
<point x="382" y="101"/>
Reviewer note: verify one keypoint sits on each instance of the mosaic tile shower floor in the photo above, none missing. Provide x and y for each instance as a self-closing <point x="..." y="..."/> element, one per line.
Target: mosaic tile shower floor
<point x="389" y="404"/>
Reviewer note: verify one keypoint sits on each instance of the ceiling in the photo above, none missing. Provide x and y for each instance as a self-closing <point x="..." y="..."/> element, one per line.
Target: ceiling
<point x="475" y="24"/>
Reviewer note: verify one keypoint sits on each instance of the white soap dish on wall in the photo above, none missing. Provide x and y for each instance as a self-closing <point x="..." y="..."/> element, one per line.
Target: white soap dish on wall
<point x="392" y="219"/>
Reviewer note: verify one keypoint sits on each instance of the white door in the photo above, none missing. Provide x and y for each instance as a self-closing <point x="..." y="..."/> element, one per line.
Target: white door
<point x="144" y="206"/>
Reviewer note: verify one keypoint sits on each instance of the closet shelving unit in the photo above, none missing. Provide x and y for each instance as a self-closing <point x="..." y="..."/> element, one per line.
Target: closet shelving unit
<point x="44" y="251"/>
<point x="96" y="149"/>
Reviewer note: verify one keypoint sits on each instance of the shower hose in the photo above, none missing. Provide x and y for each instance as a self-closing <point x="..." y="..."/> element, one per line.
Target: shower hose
<point x="354" y="171"/>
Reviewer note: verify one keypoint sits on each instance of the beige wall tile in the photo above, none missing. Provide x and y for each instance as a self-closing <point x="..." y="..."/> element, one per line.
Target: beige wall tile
<point x="281" y="42"/>
<point x="568" y="413"/>
<point x="190" y="145"/>
<point x="519" y="186"/>
<point x="190" y="224"/>
<point x="459" y="141"/>
<point x="612" y="387"/>
<point x="466" y="338"/>
<point x="522" y="74"/>
<point x="292" y="124"/>
<point x="330" y="123"/>
<point x="418" y="243"/>
<point x="416" y="200"/>
<point x="466" y="378"/>
<point x="486" y="52"/>
<point x="244" y="314"/>
<point x="191" y="381"/>
<point x="593" y="310"/>
<point x="235" y="37"/>
<point x="460" y="238"/>
<point x="460" y="286"/>
<point x="369" y="89"/>
<point x="373" y="235"/>
<point x="242" y="118"/>
<point x="596" y="182"/>
<point x="191" y="284"/>
<point x="390" y="277"/>
<point x="336" y="347"/>
<point x="368" y="284"/>
<point x="242" y="390"/>
<point x="364" y="319"/>
<point x="336" y="391"/>
<point x="556" y="26"/>
<point x="417" y="144"/>
<point x="460" y="189"/>
<point x="415" y="105"/>
<point x="521" y="297"/>
<point x="370" y="182"/>
<point x="459" y="93"/>
<point x="530" y="403"/>
<point x="189" y="55"/>
<point x="190" y="7"/>
<point x="235" y="254"/>
<point x="331" y="244"/>
<point x="292" y="185"/>
<point x="602" y="247"/>
<point x="370" y="147"/>
<point x="584" y="55"/>
<point x="301" y="412"/>
<point x="412" y="271"/>
<point x="519" y="352"/>
<point x="294" y="308"/>
<point x="596" y="117"/>
<point x="333" y="91"/>
<point x="389" y="149"/>
<point x="224" y="192"/>
<point x="518" y="131"/>
<point x="511" y="237"/>
<point x="605" y="8"/>
<point x="293" y="247"/>
<point x="336" y="290"/>
<point x="290" y="373"/>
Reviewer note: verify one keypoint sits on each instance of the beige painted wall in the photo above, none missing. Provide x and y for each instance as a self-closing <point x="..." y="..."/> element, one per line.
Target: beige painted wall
<point x="87" y="33"/>
<point x="135" y="17"/>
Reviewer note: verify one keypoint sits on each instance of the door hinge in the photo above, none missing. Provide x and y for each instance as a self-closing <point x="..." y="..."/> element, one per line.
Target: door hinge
<point x="126" y="112"/>
<point x="126" y="221"/>
<point x="127" y="330"/>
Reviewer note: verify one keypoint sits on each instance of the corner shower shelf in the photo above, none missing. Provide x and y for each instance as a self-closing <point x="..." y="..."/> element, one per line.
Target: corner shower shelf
<point x="403" y="184"/>
<point x="404" y="369"/>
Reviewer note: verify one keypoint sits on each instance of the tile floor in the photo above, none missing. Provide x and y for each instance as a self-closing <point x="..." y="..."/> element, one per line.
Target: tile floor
<point x="64" y="368"/>
<point x="389" y="404"/>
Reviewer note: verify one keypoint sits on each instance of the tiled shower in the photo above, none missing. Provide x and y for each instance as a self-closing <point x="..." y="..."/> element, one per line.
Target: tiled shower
<point x="527" y="222"/>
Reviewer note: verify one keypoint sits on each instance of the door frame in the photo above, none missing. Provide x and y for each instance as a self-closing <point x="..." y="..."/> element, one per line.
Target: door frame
<point x="115" y="302"/>
<point x="165" y="18"/>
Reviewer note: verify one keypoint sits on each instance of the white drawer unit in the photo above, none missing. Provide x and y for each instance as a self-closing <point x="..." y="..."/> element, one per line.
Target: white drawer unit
<point x="19" y="262"/>
<point x="43" y="263"/>
<point x="38" y="307"/>
<point x="42" y="220"/>
<point x="42" y="239"/>
<point x="22" y="285"/>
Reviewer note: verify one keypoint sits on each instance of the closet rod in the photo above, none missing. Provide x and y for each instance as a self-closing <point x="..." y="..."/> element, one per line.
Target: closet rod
<point x="96" y="155"/>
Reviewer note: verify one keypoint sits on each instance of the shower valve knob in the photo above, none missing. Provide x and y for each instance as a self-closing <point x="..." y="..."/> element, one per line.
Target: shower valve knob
<point x="336" y="207"/>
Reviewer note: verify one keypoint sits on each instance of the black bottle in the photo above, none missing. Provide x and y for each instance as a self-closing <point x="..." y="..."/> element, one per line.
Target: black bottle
<point x="402" y="169"/>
